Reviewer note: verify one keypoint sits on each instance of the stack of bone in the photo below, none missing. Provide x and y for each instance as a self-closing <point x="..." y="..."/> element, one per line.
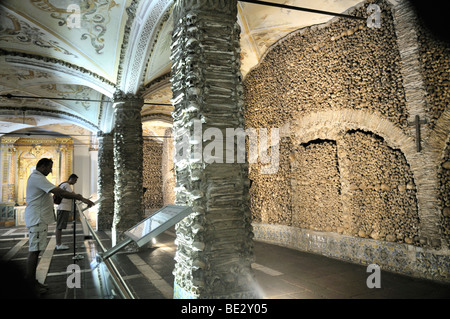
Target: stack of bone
<point x="271" y="193"/>
<point x="316" y="187"/>
<point x="168" y="174"/>
<point x="382" y="193"/>
<point x="340" y="65"/>
<point x="214" y="247"/>
<point x="434" y="55"/>
<point x="444" y="178"/>
<point x="152" y="174"/>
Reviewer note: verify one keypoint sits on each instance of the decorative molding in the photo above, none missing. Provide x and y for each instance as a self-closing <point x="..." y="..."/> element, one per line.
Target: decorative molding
<point x="140" y="41"/>
<point x="121" y="97"/>
<point x="131" y="11"/>
<point x="8" y="139"/>
<point x="156" y="84"/>
<point x="90" y="78"/>
<point x="39" y="141"/>
<point x="218" y="6"/>
<point x="164" y="20"/>
<point x="13" y="110"/>
<point x="158" y="117"/>
<point x="106" y="116"/>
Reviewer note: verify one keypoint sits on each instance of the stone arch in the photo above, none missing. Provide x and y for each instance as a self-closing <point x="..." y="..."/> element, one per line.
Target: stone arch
<point x="440" y="135"/>
<point x="71" y="73"/>
<point x="157" y="117"/>
<point x="52" y="114"/>
<point x="146" y="21"/>
<point x="333" y="125"/>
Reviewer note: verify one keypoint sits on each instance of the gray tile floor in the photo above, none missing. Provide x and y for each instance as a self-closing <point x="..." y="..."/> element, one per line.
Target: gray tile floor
<point x="280" y="273"/>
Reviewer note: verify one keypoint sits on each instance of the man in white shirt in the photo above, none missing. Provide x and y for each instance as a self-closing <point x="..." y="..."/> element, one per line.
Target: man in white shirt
<point x="39" y="213"/>
<point x="63" y="211"/>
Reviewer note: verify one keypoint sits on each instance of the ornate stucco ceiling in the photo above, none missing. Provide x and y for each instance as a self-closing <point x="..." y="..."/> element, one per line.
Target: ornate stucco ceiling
<point x="40" y="27"/>
<point x="117" y="44"/>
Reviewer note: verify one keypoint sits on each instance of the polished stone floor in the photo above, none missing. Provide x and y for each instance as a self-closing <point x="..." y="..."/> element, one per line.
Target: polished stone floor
<point x="280" y="273"/>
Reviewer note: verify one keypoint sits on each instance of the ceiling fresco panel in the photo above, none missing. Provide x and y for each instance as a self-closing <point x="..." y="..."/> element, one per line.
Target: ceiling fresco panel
<point x="18" y="34"/>
<point x="41" y="27"/>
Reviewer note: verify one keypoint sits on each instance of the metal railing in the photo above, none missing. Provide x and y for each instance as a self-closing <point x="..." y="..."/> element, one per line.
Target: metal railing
<point x="117" y="279"/>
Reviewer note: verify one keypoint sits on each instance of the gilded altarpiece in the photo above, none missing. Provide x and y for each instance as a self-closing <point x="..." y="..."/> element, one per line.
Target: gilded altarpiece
<point x="19" y="158"/>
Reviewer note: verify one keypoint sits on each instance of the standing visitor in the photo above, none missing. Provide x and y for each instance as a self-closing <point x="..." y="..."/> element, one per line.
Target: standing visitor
<point x="39" y="214"/>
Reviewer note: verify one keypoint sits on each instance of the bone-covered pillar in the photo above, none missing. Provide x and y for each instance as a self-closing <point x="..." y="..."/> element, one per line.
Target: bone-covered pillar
<point x="214" y="243"/>
<point x="105" y="182"/>
<point x="128" y="156"/>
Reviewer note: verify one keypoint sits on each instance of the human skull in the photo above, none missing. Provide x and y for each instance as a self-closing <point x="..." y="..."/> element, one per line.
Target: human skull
<point x="191" y="19"/>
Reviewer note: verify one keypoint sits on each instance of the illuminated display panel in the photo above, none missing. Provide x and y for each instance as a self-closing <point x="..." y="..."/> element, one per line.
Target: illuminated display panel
<point x="157" y="223"/>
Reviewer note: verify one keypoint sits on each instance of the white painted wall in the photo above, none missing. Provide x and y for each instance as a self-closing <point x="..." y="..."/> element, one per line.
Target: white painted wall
<point x="85" y="166"/>
<point x="93" y="155"/>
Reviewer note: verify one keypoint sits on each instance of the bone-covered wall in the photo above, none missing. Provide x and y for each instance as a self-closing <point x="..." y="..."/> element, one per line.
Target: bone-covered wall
<point x="383" y="195"/>
<point x="434" y="56"/>
<point x="444" y="192"/>
<point x="340" y="66"/>
<point x="316" y="187"/>
<point x="337" y="66"/>
<point x="350" y="168"/>
<point x="152" y="174"/>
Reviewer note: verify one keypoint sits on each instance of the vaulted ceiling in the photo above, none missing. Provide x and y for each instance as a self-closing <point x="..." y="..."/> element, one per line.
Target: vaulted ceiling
<point x="115" y="44"/>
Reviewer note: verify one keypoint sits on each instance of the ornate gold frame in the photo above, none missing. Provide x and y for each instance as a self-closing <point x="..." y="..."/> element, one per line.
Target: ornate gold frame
<point x="19" y="157"/>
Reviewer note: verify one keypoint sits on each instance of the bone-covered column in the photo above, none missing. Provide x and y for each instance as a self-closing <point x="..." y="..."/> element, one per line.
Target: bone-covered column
<point x="105" y="181"/>
<point x="214" y="244"/>
<point x="128" y="156"/>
